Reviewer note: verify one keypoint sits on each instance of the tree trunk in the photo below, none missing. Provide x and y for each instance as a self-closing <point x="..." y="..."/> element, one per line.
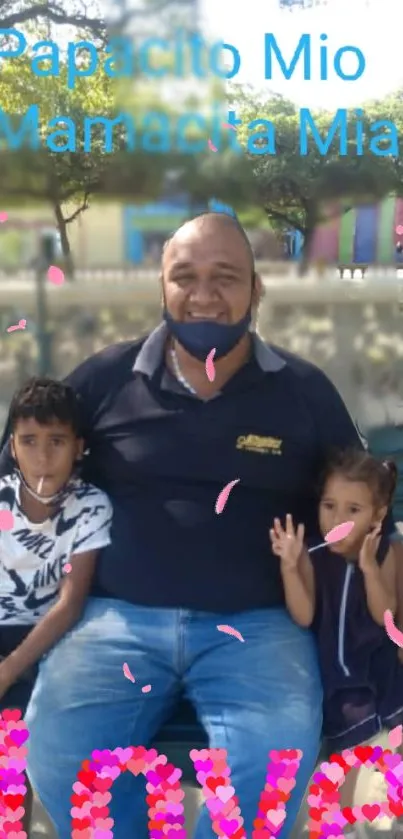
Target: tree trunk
<point x="62" y="227"/>
<point x="306" y="250"/>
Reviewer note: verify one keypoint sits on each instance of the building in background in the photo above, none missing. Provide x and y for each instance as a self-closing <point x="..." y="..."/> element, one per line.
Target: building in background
<point x="147" y="226"/>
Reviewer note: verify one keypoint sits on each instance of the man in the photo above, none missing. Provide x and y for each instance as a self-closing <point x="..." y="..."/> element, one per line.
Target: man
<point x="163" y="441"/>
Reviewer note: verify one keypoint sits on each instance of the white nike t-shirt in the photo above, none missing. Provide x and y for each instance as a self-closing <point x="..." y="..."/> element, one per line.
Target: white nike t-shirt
<point x="32" y="556"/>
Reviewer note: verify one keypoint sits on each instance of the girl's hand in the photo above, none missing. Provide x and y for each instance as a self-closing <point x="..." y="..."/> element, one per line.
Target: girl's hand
<point x="287" y="544"/>
<point x="367" y="556"/>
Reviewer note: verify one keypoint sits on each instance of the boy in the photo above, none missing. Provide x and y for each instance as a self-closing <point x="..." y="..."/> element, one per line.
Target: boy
<point x="58" y="524"/>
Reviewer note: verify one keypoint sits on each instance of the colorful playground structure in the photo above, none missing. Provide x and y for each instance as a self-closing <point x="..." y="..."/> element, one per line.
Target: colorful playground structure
<point x="368" y="234"/>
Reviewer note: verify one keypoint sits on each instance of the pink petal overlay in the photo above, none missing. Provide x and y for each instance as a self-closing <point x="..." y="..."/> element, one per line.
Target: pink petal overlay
<point x="228" y="125"/>
<point x="399" y="229"/>
<point x="391" y="629"/>
<point x="336" y="534"/>
<point x="395" y="737"/>
<point x="222" y="498"/>
<point x="223" y="627"/>
<point x="3" y="217"/>
<point x="20" y="325"/>
<point x="6" y="520"/>
<point x="210" y="369"/>
<point x="67" y="568"/>
<point x="55" y="275"/>
<point x="146" y="689"/>
<point x="127" y="673"/>
<point x="211" y="146"/>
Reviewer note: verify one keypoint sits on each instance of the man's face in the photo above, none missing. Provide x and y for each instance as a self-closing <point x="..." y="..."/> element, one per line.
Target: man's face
<point x="207" y="274"/>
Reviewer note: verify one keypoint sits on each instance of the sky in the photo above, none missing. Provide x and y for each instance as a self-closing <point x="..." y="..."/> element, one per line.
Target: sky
<point x="372" y="25"/>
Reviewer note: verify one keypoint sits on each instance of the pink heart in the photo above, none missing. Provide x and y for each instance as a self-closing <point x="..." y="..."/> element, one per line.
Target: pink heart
<point x="123" y="754"/>
<point x="6" y="520"/>
<point x="286" y="784"/>
<point x="335" y="773"/>
<point x="214" y="805"/>
<point x="275" y="817"/>
<point x="396" y="736"/>
<point x="358" y="814"/>
<point x="224" y="793"/>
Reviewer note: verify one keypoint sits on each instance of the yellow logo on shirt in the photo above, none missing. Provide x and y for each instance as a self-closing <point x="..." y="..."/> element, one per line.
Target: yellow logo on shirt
<point x="260" y="445"/>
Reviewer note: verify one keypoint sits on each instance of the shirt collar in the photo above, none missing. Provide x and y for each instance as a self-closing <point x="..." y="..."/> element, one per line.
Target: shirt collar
<point x="151" y="354"/>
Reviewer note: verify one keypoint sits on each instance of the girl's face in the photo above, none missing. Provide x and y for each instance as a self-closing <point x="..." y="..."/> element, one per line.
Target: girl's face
<point x="343" y="500"/>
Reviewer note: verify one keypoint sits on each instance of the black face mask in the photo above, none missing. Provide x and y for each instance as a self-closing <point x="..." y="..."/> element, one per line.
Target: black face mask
<point x="198" y="338"/>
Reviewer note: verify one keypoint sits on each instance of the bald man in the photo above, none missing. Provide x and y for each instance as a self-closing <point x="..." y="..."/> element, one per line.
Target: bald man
<point x="164" y="439"/>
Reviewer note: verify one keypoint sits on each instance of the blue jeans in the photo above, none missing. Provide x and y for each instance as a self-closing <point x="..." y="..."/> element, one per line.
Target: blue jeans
<point x="250" y="697"/>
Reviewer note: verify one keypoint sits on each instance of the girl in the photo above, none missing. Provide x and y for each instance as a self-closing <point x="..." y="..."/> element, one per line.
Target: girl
<point x="342" y="591"/>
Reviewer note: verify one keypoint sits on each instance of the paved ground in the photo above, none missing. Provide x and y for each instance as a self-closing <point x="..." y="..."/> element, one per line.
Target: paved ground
<point x="370" y="788"/>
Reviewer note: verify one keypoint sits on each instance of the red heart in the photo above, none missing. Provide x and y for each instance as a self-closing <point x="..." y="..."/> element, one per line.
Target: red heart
<point x="396" y="808"/>
<point x="102" y="784"/>
<point x="165" y="771"/>
<point x="213" y="783"/>
<point x="100" y="812"/>
<point x="338" y="759"/>
<point x="14" y="715"/>
<point x="81" y="824"/>
<point x="316" y="814"/>
<point x="349" y="815"/>
<point x="363" y="753"/>
<point x="327" y="785"/>
<point x="152" y="799"/>
<point x="13" y="801"/>
<point x="371" y="811"/>
<point x="85" y="777"/>
<point x="78" y="800"/>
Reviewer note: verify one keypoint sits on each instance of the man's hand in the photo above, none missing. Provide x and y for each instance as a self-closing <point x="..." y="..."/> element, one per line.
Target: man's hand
<point x="367" y="556"/>
<point x="287" y="544"/>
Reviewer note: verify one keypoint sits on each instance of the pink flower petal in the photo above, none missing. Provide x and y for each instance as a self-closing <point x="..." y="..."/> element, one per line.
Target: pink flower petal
<point x="127" y="673"/>
<point x="6" y="520"/>
<point x="210" y="369"/>
<point x="336" y="534"/>
<point x="224" y="627"/>
<point x="55" y="275"/>
<point x="222" y="498"/>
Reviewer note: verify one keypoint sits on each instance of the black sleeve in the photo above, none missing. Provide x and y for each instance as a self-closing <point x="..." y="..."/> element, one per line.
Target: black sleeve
<point x="335" y="428"/>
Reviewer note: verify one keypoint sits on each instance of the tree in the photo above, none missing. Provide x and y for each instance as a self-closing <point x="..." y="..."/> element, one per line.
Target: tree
<point x="297" y="190"/>
<point x="85" y="15"/>
<point x="76" y="13"/>
<point x="66" y="179"/>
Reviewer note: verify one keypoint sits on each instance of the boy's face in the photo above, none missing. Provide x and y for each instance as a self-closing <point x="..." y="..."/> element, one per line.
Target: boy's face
<point x="344" y="500"/>
<point x="45" y="451"/>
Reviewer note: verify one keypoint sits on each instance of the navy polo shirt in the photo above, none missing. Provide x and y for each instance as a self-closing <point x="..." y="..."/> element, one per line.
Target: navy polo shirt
<point x="163" y="456"/>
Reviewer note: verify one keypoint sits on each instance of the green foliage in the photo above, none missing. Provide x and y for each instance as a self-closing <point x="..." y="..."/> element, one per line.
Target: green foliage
<point x="298" y="191"/>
